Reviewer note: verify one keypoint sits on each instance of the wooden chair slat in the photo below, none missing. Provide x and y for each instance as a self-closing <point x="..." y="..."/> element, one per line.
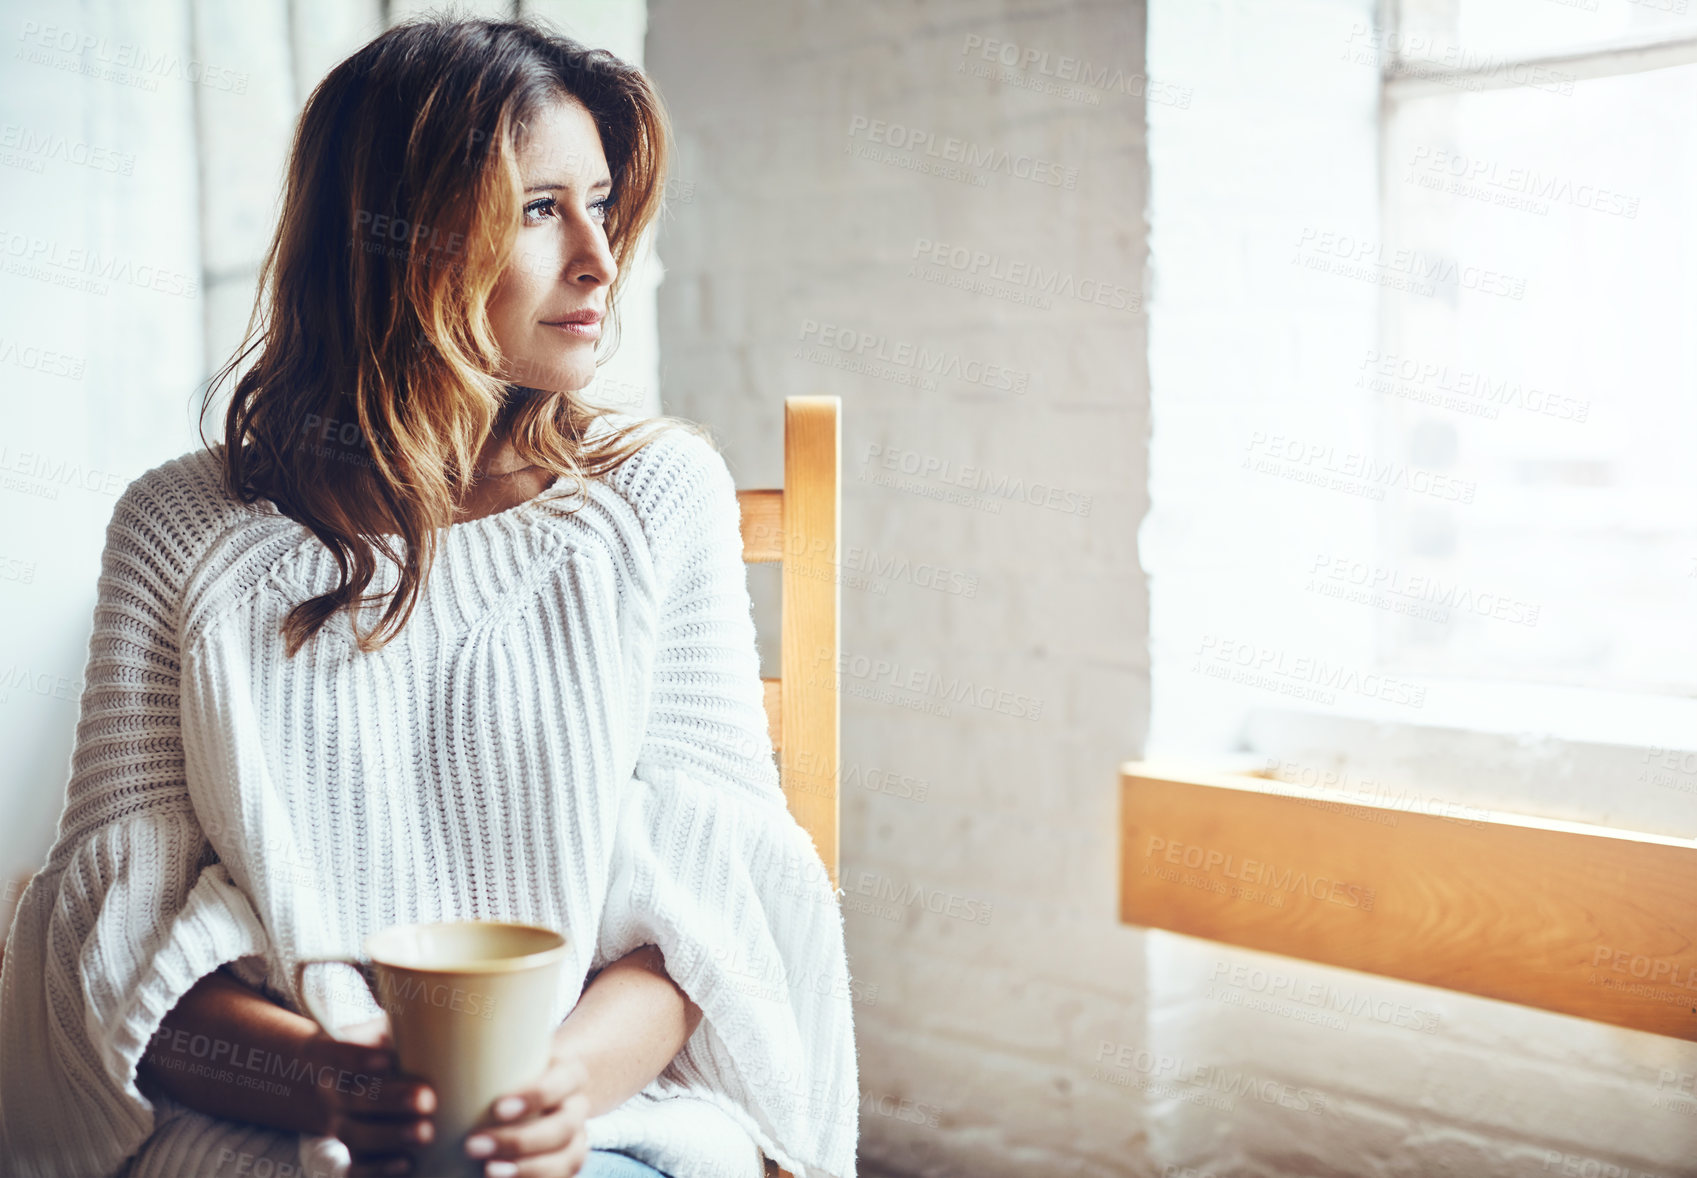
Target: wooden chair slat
<point x="762" y="526"/>
<point x="800" y="526"/>
<point x="811" y="616"/>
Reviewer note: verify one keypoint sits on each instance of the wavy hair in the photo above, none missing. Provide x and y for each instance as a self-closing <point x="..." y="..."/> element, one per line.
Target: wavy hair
<point x="373" y="388"/>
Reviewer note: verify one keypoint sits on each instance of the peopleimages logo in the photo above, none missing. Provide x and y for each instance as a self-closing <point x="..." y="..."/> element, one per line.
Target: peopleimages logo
<point x="869" y="347"/>
<point x="1659" y="971"/>
<point x="1395" y="583"/>
<point x="930" y="685"/>
<point x="977" y="478"/>
<point x="1065" y="68"/>
<point x="122" y="61"/>
<point x="1513" y="187"/>
<point x="1259" y="873"/>
<point x="1228" y="1082"/>
<point x="1417" y="55"/>
<point x="1323" y="465"/>
<point x="86" y="269"/>
<point x="1238" y="984"/>
<point x="891" y="899"/>
<point x="1464" y="389"/>
<point x="979" y="267"/>
<point x="43" y="360"/>
<point x="963" y="152"/>
<point x="39" y="146"/>
<point x="61" y="471"/>
<point x="1373" y="793"/>
<point x="1302" y="675"/>
<point x="247" y="1065"/>
<point x="1398" y="267"/>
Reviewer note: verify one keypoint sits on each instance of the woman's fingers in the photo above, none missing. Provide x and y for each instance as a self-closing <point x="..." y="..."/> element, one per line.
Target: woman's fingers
<point x="373" y="1109"/>
<point x="359" y="1081"/>
<point x="373" y="1032"/>
<point x="380" y="1167"/>
<point x="564" y="1163"/>
<point x="565" y="1076"/>
<point x="352" y="1064"/>
<point x="396" y="1100"/>
<point x="367" y="1136"/>
<point x="548" y="1133"/>
<point x="536" y="1131"/>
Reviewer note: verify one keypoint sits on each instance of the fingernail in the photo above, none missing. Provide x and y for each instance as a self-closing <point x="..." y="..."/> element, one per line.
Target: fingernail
<point x="422" y="1132"/>
<point x="499" y="1170"/>
<point x="479" y="1146"/>
<point x="425" y="1100"/>
<point x="509" y="1107"/>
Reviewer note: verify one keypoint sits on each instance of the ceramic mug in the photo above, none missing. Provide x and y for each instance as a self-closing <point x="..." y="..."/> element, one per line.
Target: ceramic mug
<point x="470" y="1006"/>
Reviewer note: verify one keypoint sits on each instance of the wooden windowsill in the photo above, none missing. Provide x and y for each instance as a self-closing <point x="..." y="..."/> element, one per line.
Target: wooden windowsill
<point x="1584" y="920"/>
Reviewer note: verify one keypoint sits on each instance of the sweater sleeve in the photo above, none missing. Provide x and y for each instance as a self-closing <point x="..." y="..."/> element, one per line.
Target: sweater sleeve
<point x="708" y="863"/>
<point x="132" y="906"/>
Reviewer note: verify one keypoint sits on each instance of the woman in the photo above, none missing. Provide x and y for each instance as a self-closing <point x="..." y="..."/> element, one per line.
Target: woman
<point x="556" y="719"/>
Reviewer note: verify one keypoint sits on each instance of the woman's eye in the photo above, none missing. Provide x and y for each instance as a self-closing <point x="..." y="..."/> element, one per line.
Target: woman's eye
<point x="537" y="209"/>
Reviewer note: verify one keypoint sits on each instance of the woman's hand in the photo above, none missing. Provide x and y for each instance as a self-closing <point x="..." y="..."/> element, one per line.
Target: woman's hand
<point x="538" y="1130"/>
<point x="321" y="1085"/>
<point x="379" y="1114"/>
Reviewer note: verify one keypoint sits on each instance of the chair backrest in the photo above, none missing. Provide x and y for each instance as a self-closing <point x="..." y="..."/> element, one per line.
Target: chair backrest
<point x="800" y="526"/>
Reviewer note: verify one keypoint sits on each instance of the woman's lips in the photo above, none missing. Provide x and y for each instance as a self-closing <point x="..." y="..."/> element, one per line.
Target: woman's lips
<point x="582" y="329"/>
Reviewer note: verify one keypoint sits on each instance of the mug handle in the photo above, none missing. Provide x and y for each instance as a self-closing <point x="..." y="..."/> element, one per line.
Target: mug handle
<point x="362" y="964"/>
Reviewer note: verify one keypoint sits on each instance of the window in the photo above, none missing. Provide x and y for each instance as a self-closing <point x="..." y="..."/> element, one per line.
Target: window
<point x="1423" y="406"/>
<point x="1538" y="376"/>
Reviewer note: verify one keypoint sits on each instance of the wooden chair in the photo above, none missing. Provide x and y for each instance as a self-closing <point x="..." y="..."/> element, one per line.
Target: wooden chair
<point x="801" y="527"/>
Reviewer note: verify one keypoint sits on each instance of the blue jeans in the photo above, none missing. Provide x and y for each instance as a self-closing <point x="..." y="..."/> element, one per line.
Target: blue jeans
<point x="610" y="1163"/>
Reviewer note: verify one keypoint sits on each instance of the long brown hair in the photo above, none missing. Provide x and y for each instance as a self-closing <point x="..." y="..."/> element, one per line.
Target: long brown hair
<point x="374" y="388"/>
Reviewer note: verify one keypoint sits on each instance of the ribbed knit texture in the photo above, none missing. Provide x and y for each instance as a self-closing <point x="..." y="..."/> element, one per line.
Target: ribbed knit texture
<point x="569" y="731"/>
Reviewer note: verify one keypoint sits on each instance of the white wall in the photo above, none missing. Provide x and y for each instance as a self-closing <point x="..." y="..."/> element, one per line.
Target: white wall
<point x="142" y="147"/>
<point x="978" y="1041"/>
<point x="103" y="263"/>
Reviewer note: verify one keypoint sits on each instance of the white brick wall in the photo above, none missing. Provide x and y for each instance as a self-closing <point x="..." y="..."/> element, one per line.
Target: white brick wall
<point x="989" y="1031"/>
<point x="102" y="334"/>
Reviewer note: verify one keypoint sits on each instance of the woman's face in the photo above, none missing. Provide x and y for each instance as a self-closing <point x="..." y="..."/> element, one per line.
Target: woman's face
<point x="561" y="269"/>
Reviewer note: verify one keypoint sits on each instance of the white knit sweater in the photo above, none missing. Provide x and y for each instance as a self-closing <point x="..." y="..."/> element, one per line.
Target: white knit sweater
<point x="568" y="731"/>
